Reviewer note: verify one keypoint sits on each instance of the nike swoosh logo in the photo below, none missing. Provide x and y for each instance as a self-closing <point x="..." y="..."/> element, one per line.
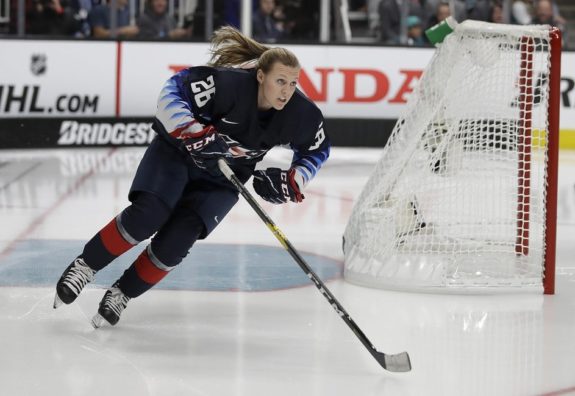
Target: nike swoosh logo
<point x="229" y="122"/>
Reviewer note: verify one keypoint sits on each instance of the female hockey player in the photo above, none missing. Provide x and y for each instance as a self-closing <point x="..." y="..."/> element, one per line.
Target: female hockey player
<point x="238" y="107"/>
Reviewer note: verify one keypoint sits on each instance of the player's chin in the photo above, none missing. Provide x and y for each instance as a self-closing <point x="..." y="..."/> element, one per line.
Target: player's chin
<point x="280" y="103"/>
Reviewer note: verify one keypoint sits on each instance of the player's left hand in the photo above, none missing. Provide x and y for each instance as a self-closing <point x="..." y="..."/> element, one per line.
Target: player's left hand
<point x="277" y="186"/>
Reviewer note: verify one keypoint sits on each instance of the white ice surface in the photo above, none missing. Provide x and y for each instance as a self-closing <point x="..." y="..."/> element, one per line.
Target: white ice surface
<point x="280" y="342"/>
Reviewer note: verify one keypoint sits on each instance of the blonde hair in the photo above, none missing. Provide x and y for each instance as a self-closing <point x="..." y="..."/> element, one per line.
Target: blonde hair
<point x="229" y="47"/>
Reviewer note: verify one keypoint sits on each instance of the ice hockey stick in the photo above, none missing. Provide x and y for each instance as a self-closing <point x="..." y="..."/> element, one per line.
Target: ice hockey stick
<point x="396" y="363"/>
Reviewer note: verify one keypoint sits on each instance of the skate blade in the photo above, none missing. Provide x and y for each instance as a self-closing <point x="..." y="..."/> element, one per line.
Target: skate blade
<point x="98" y="320"/>
<point x="57" y="301"/>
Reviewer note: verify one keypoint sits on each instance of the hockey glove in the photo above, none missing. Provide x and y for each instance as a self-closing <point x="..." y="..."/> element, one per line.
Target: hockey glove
<point x="277" y="186"/>
<point x="205" y="148"/>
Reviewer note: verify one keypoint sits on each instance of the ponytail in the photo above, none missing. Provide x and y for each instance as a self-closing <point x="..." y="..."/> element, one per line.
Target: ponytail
<point x="230" y="47"/>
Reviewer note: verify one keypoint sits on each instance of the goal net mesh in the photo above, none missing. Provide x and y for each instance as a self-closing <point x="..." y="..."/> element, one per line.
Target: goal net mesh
<point x="457" y="200"/>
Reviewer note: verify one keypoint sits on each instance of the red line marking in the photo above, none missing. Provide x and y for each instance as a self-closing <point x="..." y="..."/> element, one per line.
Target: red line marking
<point x="560" y="392"/>
<point x="118" y="76"/>
<point x="40" y="219"/>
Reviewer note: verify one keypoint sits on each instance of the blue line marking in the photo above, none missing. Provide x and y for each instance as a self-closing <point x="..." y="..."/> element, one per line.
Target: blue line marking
<point x="208" y="267"/>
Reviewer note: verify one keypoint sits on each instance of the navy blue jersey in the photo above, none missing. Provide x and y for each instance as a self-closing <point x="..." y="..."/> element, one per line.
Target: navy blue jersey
<point x="226" y="98"/>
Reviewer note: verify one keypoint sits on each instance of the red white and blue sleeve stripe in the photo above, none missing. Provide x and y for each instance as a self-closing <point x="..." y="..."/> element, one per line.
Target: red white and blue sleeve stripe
<point x="308" y="162"/>
<point x="174" y="111"/>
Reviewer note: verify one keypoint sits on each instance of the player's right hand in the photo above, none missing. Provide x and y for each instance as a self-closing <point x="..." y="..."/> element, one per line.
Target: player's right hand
<point x="205" y="148"/>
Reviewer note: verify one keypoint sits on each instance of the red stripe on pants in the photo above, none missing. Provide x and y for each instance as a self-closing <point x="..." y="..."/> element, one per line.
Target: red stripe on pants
<point x="147" y="271"/>
<point x="113" y="241"/>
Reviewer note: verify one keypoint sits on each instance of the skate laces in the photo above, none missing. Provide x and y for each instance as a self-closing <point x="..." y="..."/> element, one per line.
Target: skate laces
<point x="115" y="300"/>
<point x="79" y="275"/>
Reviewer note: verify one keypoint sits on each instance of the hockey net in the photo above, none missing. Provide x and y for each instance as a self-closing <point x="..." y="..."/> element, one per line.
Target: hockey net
<point x="463" y="198"/>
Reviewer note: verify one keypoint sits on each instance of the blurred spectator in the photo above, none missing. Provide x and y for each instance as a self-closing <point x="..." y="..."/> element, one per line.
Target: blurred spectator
<point x="45" y="17"/>
<point x="225" y="12"/>
<point x="557" y="15"/>
<point x="441" y="13"/>
<point x="156" y="23"/>
<point x="52" y="17"/>
<point x="373" y="15"/>
<point x="544" y="15"/>
<point x="81" y="16"/>
<point x="301" y="19"/>
<point x="232" y="12"/>
<point x="99" y="19"/>
<point x="392" y="12"/>
<point x="357" y="5"/>
<point x="199" y="24"/>
<point x="496" y="13"/>
<point x="265" y="28"/>
<point x="458" y="9"/>
<point x="389" y="21"/>
<point x="415" y="36"/>
<point x="478" y="9"/>
<point x="521" y="12"/>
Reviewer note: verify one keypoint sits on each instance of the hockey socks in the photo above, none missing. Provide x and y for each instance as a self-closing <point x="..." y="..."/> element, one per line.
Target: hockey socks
<point x="143" y="274"/>
<point x="134" y="224"/>
<point x="167" y="249"/>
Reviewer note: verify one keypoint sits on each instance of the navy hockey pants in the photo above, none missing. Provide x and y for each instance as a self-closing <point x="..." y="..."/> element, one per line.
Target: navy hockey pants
<point x="171" y="198"/>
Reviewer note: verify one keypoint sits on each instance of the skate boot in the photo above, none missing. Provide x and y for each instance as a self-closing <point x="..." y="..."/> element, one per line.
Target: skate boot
<point x="111" y="307"/>
<point x="72" y="281"/>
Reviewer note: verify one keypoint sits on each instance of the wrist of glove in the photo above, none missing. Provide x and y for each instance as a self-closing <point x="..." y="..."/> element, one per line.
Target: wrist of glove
<point x="205" y="148"/>
<point x="277" y="186"/>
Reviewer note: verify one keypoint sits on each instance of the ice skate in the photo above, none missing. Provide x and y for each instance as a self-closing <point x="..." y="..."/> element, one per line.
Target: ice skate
<point x="111" y="307"/>
<point x="72" y="281"/>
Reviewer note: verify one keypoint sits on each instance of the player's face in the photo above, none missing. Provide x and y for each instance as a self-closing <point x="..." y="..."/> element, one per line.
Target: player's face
<point x="277" y="86"/>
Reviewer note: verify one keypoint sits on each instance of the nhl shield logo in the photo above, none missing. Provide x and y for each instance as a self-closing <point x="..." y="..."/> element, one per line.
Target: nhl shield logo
<point x="38" y="64"/>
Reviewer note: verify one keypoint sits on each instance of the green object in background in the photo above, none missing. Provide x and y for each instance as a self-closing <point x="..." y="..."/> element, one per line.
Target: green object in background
<point x="437" y="33"/>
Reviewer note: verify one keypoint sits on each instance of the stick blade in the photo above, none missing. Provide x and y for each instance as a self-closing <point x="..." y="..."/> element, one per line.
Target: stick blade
<point x="398" y="363"/>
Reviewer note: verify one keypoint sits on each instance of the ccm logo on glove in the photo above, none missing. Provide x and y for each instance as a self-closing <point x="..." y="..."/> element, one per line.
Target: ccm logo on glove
<point x="277" y="186"/>
<point x="197" y="145"/>
<point x="206" y="148"/>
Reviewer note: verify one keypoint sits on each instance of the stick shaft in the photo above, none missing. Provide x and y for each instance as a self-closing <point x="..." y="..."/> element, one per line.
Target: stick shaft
<point x="382" y="359"/>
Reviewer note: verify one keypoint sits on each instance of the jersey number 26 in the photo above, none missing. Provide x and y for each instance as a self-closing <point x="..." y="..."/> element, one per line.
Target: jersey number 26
<point x="203" y="90"/>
